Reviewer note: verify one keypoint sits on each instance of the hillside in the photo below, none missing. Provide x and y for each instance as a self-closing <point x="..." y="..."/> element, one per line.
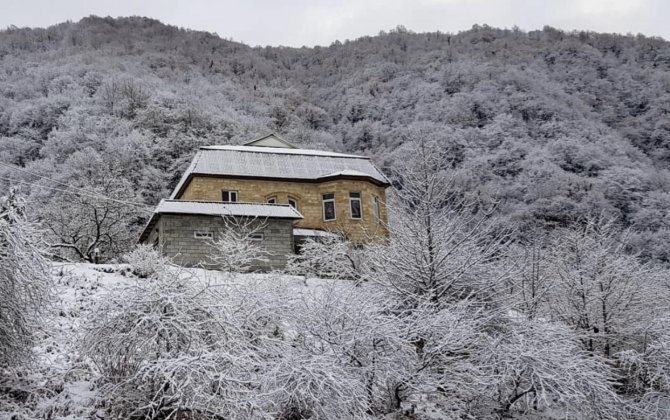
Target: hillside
<point x="555" y="125"/>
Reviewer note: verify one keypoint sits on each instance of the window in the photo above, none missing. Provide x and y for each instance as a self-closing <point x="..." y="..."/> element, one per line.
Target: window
<point x="229" y="196"/>
<point x="328" y="206"/>
<point x="355" y="205"/>
<point x="258" y="236"/>
<point x="272" y="200"/>
<point x="203" y="235"/>
<point x="293" y="202"/>
<point x="375" y="209"/>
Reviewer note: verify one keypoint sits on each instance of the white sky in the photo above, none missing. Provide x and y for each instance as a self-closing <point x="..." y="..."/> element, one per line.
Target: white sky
<point x="320" y="22"/>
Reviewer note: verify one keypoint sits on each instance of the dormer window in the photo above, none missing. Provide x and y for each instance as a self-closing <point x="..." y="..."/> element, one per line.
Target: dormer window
<point x="229" y="196"/>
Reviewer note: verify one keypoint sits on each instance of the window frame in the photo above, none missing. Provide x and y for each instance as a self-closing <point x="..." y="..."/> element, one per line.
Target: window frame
<point x="360" y="205"/>
<point x="237" y="196"/>
<point x="295" y="200"/>
<point x="203" y="234"/>
<point x="376" y="210"/>
<point x="257" y="236"/>
<point x="271" y="200"/>
<point x="325" y="200"/>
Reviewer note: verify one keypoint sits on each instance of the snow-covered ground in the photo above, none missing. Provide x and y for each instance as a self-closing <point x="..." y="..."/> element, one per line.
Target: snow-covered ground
<point x="58" y="384"/>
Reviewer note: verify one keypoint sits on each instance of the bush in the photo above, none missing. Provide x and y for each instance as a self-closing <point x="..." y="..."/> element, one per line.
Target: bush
<point x="163" y="351"/>
<point x="145" y="261"/>
<point x="327" y="257"/>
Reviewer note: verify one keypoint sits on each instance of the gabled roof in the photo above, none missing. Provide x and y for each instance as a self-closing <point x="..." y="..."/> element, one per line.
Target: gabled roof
<point x="277" y="163"/>
<point x="271" y="140"/>
<point x="209" y="208"/>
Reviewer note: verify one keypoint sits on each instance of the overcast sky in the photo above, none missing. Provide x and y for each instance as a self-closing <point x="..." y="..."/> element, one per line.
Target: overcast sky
<point x="320" y="22"/>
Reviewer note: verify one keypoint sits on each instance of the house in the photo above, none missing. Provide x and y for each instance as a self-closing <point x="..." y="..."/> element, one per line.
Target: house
<point x="299" y="193"/>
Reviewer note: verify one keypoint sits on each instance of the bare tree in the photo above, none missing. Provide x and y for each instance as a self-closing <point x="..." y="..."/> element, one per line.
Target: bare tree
<point x="443" y="246"/>
<point x="97" y="216"/>
<point x="235" y="248"/>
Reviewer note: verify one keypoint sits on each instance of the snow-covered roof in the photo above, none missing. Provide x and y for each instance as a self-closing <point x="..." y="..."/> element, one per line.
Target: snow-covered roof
<point x="313" y="233"/>
<point x="277" y="163"/>
<point x="283" y="211"/>
<point x="209" y="208"/>
<point x="280" y="150"/>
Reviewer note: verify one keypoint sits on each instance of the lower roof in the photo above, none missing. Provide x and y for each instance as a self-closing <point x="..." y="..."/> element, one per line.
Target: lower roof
<point x="219" y="208"/>
<point x="212" y="208"/>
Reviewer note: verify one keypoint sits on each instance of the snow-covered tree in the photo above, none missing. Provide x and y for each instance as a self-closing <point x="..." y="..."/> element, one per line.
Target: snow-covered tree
<point x="25" y="281"/>
<point x="443" y="246"/>
<point x="234" y="248"/>
<point x="598" y="289"/>
<point x="645" y="371"/>
<point x="96" y="216"/>
<point x="535" y="365"/>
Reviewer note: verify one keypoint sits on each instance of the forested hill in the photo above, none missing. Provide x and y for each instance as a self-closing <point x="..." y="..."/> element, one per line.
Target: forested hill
<point x="556" y="125"/>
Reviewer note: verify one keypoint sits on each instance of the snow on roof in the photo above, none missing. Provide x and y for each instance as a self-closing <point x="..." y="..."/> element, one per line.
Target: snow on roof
<point x="281" y="150"/>
<point x="283" y="211"/>
<point x="277" y="163"/>
<point x="313" y="232"/>
<point x="211" y="208"/>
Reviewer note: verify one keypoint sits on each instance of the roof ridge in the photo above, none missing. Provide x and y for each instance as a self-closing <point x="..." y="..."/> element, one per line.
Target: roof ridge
<point x="174" y="200"/>
<point x="279" y="150"/>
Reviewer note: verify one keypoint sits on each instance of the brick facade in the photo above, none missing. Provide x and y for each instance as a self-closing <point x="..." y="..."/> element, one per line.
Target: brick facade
<point x="308" y="196"/>
<point x="175" y="236"/>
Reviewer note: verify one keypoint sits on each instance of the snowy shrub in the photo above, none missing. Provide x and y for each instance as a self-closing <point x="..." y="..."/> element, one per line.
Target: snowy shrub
<point x="145" y="261"/>
<point x="25" y="282"/>
<point x="327" y="257"/>
<point x="163" y="350"/>
<point x="338" y="358"/>
<point x="646" y="371"/>
<point x="535" y="365"/>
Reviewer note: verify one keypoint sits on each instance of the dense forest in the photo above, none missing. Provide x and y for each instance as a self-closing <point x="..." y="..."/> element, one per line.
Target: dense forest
<point x="551" y="125"/>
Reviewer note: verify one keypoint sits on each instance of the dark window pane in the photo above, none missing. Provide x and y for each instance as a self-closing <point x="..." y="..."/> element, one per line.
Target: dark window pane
<point x="225" y="196"/>
<point x="356" y="209"/>
<point x="328" y="196"/>
<point x="355" y="195"/>
<point x="329" y="210"/>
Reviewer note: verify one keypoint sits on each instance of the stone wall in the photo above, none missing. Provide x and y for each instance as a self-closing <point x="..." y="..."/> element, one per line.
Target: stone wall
<point x="178" y="241"/>
<point x="308" y="196"/>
